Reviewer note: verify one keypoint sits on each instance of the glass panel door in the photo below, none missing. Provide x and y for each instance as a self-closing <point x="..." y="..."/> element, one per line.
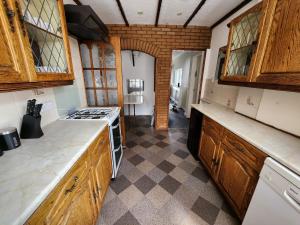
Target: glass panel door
<point x="42" y="21"/>
<point x="100" y="74"/>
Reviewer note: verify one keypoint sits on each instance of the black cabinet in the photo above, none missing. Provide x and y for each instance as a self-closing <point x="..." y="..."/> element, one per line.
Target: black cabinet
<point x="194" y="132"/>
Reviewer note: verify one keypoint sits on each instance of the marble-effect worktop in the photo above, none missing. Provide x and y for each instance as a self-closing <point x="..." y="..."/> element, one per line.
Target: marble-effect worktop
<point x="29" y="173"/>
<point x="282" y="147"/>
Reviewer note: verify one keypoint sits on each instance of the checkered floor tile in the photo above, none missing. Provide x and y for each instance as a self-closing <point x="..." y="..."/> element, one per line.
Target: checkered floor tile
<point x="159" y="182"/>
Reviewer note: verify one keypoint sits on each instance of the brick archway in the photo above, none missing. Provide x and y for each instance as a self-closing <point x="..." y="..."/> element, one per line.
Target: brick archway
<point x="139" y="45"/>
<point x="159" y="41"/>
<point x="153" y="50"/>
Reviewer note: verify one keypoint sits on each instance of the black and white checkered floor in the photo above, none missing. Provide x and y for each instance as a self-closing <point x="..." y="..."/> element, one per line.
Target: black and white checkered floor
<point x="159" y="182"/>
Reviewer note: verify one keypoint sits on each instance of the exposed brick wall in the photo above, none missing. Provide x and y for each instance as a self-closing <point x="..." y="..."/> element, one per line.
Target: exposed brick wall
<point x="159" y="42"/>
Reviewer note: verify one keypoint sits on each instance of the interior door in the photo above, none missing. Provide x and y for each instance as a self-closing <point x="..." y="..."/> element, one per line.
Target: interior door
<point x="12" y="68"/>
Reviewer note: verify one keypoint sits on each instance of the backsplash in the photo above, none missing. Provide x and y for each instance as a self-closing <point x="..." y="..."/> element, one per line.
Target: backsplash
<point x="13" y="107"/>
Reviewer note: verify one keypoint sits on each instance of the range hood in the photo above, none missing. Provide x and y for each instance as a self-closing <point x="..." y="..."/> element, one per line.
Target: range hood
<point x="84" y="23"/>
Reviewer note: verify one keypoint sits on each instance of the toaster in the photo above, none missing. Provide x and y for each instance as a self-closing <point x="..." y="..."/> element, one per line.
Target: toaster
<point x="9" y="139"/>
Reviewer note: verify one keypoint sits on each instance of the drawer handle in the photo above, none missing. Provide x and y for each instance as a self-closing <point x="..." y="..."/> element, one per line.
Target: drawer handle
<point x="71" y="189"/>
<point x="241" y="149"/>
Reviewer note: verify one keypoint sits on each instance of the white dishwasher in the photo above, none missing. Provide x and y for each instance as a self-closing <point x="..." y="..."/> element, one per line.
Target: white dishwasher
<point x="276" y="199"/>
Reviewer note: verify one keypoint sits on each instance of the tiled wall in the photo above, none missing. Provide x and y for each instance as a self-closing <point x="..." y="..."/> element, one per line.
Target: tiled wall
<point x="159" y="42"/>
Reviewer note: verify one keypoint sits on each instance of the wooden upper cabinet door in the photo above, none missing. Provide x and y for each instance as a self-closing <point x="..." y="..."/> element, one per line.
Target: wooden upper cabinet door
<point x="278" y="59"/>
<point x="208" y="149"/>
<point x="12" y="68"/>
<point x="47" y="47"/>
<point x="242" y="43"/>
<point x="236" y="179"/>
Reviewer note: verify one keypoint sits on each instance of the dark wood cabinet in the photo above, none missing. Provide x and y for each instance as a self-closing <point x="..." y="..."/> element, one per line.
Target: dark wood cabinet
<point x="233" y="164"/>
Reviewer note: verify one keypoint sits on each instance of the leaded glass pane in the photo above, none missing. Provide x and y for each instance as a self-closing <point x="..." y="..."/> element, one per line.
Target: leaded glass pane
<point x="113" y="97"/>
<point x="99" y="78"/>
<point x="101" y="97"/>
<point x="244" y="39"/>
<point x="85" y="56"/>
<point x="43" y="24"/>
<point x="111" y="78"/>
<point x="90" y="97"/>
<point x="88" y="78"/>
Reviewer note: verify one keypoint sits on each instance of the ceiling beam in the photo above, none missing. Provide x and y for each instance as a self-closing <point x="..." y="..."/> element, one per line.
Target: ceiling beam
<point x="122" y="12"/>
<point x="194" y="13"/>
<point x="234" y="10"/>
<point x="77" y="2"/>
<point x="158" y="12"/>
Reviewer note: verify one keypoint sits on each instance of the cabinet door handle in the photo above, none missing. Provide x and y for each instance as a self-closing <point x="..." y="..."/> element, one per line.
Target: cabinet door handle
<point x="241" y="149"/>
<point x="10" y="15"/>
<point x="21" y="19"/>
<point x="71" y="189"/>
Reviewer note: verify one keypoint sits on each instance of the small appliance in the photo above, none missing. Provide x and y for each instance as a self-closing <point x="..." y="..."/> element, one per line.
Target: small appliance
<point x="9" y="139"/>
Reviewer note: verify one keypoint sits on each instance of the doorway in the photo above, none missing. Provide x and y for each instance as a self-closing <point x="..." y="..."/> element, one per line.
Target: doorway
<point x="138" y="88"/>
<point x="185" y="85"/>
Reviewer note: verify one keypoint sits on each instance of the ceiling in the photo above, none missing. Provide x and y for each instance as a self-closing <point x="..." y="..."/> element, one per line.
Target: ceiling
<point x="173" y="12"/>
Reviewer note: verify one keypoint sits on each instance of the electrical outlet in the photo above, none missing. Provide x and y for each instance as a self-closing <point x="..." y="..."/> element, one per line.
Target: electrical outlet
<point x="47" y="106"/>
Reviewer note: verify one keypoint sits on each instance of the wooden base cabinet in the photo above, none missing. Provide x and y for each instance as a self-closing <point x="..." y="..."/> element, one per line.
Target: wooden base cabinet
<point x="78" y="197"/>
<point x="236" y="179"/>
<point x="233" y="164"/>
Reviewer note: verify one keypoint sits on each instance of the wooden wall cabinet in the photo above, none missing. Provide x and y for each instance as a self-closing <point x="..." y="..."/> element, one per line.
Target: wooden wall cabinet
<point x="78" y="197"/>
<point x="233" y="164"/>
<point x="279" y="47"/>
<point x="264" y="47"/>
<point x="34" y="43"/>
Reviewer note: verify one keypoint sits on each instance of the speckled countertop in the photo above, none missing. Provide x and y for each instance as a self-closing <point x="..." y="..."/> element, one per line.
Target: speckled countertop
<point x="283" y="147"/>
<point x="29" y="173"/>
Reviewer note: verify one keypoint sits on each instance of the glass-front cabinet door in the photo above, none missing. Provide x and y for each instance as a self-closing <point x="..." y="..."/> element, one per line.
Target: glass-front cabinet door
<point x="44" y="24"/>
<point x="242" y="45"/>
<point x="100" y="73"/>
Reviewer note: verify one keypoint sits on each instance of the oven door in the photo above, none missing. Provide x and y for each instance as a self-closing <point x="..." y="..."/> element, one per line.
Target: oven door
<point x="116" y="138"/>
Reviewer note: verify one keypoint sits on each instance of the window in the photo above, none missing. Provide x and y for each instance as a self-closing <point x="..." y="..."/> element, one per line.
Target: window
<point x="177" y="78"/>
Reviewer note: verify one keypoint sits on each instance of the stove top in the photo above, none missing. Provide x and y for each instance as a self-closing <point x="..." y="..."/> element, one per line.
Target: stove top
<point x="93" y="113"/>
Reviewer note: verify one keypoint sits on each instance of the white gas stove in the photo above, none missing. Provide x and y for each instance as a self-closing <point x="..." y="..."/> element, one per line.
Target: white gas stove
<point x="112" y="116"/>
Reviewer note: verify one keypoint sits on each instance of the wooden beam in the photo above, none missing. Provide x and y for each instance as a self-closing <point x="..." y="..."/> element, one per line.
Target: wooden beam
<point x="122" y="12"/>
<point x="234" y="10"/>
<point x="158" y="12"/>
<point x="194" y="13"/>
<point x="77" y="2"/>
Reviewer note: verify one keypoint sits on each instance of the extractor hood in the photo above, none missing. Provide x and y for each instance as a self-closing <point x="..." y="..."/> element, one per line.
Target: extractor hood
<point x="84" y="23"/>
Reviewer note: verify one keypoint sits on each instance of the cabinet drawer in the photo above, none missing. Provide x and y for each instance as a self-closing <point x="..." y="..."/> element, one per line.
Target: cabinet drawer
<point x="54" y="207"/>
<point x="211" y="125"/>
<point x="245" y="151"/>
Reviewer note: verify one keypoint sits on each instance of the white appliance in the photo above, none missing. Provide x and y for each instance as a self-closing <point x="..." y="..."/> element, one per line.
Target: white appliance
<point x="276" y="199"/>
<point x="112" y="116"/>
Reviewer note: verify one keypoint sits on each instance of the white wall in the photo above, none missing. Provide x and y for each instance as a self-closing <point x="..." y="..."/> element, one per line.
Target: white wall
<point x="72" y="96"/>
<point x="277" y="108"/>
<point x="143" y="69"/>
